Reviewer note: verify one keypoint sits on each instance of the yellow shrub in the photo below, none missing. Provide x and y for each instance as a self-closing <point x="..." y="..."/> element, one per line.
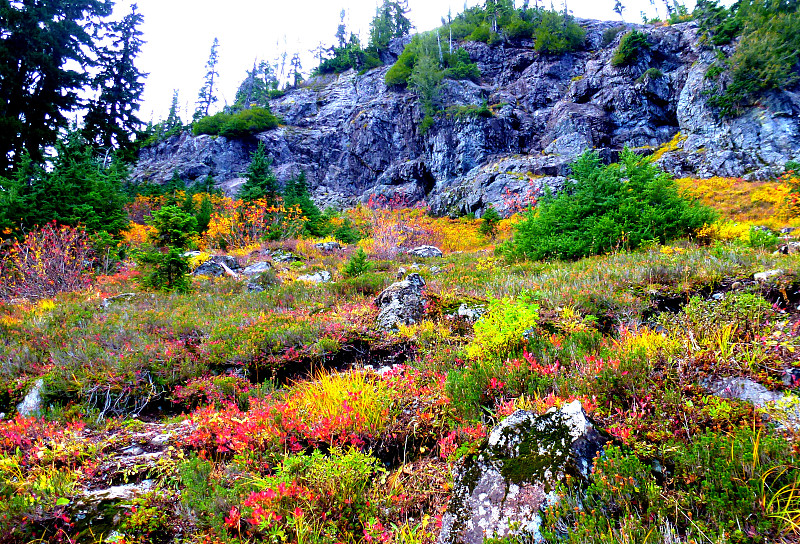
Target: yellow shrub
<point x="328" y="396"/>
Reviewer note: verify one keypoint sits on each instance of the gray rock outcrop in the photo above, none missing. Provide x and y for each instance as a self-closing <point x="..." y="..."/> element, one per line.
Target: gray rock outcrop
<point x="502" y="489"/>
<point x="401" y="303"/>
<point x="322" y="276"/>
<point x="356" y="139"/>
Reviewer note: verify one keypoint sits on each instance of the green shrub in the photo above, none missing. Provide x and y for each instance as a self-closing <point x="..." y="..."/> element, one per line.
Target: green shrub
<point x="489" y="221"/>
<point x="250" y="121"/>
<point x="480" y="34"/>
<point x="211" y="125"/>
<point x="557" y="34"/>
<point x="358" y="264"/>
<point x="502" y="328"/>
<point x="651" y="73"/>
<point x="631" y="46"/>
<point x="236" y="125"/>
<point x="763" y="239"/>
<point x="169" y="270"/>
<point x="792" y="166"/>
<point x="519" y="29"/>
<point x="610" y="34"/>
<point x="458" y="66"/>
<point x="347" y="233"/>
<point x="398" y="74"/>
<point x="617" y="206"/>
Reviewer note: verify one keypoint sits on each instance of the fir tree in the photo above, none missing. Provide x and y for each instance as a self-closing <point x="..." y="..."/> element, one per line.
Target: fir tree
<point x="206" y="98"/>
<point x="111" y="118"/>
<point x="261" y="181"/>
<point x="358" y="264"/>
<point x="41" y="44"/>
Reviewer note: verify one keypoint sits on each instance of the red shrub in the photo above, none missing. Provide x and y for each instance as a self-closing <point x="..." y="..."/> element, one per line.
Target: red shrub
<point x="49" y="260"/>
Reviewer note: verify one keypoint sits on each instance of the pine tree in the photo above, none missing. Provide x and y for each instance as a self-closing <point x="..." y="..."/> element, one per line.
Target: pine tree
<point x="297" y="68"/>
<point x="618" y="8"/>
<point x="489" y="221"/>
<point x="41" y="44"/>
<point x="261" y="181"/>
<point x="206" y="98"/>
<point x="173" y="121"/>
<point x="358" y="264"/>
<point x="111" y="118"/>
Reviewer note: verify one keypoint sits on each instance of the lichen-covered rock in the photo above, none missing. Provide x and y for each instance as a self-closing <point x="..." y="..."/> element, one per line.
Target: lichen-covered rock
<point x="209" y="268"/>
<point x="328" y="246"/>
<point x="322" y="276"/>
<point x="425" y="252"/>
<point x="502" y="489"/>
<point x="401" y="303"/>
<point x="257" y="268"/>
<point x="32" y="404"/>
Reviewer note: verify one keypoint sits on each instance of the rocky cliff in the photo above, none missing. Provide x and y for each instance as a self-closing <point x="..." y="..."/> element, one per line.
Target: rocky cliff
<point x="356" y="138"/>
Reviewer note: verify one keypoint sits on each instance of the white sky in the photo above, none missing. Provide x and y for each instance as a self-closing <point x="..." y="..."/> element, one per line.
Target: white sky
<point x="179" y="34"/>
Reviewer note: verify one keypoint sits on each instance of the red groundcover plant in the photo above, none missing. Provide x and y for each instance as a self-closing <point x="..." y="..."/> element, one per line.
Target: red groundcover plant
<point x="49" y="260"/>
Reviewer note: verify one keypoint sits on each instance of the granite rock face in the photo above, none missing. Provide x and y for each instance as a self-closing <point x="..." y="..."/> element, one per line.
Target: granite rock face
<point x="356" y="139"/>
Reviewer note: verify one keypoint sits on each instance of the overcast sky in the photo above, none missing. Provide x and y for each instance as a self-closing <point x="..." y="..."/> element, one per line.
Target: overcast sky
<point x="179" y="34"/>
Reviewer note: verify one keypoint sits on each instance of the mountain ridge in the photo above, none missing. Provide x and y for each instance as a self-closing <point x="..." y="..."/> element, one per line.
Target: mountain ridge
<point x="356" y="138"/>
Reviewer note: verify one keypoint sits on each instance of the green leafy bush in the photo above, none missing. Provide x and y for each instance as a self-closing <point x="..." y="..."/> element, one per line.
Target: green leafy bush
<point x="502" y="328"/>
<point x="557" y="34"/>
<point x="617" y="206"/>
<point x="610" y="34"/>
<point x="631" y="46"/>
<point x="236" y="125"/>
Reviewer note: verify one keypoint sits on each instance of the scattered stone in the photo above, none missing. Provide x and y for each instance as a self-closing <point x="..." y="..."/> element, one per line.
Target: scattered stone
<point x="717" y="296"/>
<point x="400" y="273"/>
<point x="209" y="268"/>
<point x="502" y="489"/>
<point x="434" y="270"/>
<point x="122" y="296"/>
<point x="787" y="230"/>
<point x="191" y="254"/>
<point x="254" y="288"/>
<point x="117" y="493"/>
<point x="226" y="260"/>
<point x="401" y="303"/>
<point x="132" y="450"/>
<point x="789" y="248"/>
<point x="31" y="405"/>
<point x="736" y="285"/>
<point x="782" y="407"/>
<point x="425" y="252"/>
<point x="469" y="313"/>
<point x="160" y="440"/>
<point x="257" y="268"/>
<point x="281" y="256"/>
<point x="322" y="276"/>
<point x="328" y="246"/>
<point x="743" y="389"/>
<point x="764" y="276"/>
<point x="791" y="377"/>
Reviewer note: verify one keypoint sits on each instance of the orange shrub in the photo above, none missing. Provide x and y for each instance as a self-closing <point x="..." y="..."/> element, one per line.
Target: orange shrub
<point x="239" y="224"/>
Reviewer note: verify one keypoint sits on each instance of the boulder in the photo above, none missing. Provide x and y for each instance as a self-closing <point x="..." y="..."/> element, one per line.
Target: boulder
<point x="328" y="246"/>
<point x="32" y="404"/>
<point x="226" y="260"/>
<point x="425" y="252"/>
<point x="784" y="408"/>
<point x="280" y="256"/>
<point x="401" y="303"/>
<point x="761" y="277"/>
<point x="502" y="489"/>
<point x="209" y="268"/>
<point x="257" y="268"/>
<point x="322" y="276"/>
<point x="254" y="288"/>
<point x="469" y="313"/>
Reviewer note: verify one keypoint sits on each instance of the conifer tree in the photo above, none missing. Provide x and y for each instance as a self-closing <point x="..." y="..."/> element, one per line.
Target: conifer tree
<point x="111" y="118"/>
<point x="261" y="181"/>
<point x="206" y="98"/>
<point x="41" y="44"/>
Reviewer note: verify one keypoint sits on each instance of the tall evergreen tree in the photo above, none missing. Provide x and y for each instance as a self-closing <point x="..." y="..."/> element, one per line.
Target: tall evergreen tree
<point x="261" y="181"/>
<point x="111" y="118"/>
<point x="206" y="98"/>
<point x="78" y="190"/>
<point x="173" y="117"/>
<point x="42" y="46"/>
